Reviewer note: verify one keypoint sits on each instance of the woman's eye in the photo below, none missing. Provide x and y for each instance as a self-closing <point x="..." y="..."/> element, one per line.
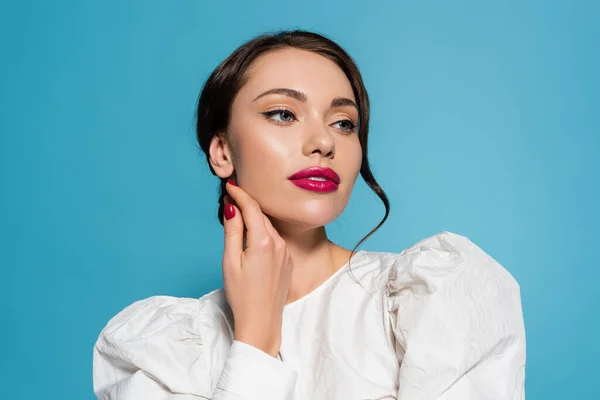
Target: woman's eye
<point x="346" y="125"/>
<point x="284" y="115"/>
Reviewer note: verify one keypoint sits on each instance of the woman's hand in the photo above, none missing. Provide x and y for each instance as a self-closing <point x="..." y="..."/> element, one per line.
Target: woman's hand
<point x="257" y="278"/>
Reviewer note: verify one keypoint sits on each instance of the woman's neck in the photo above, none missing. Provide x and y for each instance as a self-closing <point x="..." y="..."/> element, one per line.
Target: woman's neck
<point x="315" y="257"/>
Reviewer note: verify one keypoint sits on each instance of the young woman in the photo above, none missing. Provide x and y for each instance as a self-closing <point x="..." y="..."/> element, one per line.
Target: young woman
<point x="284" y="120"/>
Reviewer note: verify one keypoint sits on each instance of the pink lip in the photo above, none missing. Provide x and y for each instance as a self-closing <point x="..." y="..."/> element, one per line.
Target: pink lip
<point x="321" y="172"/>
<point x="301" y="180"/>
<point x="315" y="186"/>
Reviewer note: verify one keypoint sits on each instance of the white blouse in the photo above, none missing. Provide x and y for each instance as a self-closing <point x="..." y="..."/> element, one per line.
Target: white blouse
<point x="441" y="320"/>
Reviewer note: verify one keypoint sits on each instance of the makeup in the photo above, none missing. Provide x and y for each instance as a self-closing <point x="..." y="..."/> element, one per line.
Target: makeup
<point x="316" y="179"/>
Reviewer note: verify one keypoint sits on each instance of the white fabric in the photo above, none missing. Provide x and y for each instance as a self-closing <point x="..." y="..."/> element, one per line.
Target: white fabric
<point x="441" y="320"/>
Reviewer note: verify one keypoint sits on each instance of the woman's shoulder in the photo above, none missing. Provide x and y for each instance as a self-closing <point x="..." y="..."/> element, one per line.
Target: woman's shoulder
<point x="153" y="313"/>
<point x="171" y="338"/>
<point x="453" y="307"/>
<point x="440" y="259"/>
<point x="447" y="256"/>
<point x="446" y="280"/>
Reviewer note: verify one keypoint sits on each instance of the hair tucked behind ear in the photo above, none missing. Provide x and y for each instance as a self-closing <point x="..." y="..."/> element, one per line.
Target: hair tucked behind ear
<point x="218" y="93"/>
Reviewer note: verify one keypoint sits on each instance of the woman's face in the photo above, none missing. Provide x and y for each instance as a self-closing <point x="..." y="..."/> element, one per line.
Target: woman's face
<point x="274" y="135"/>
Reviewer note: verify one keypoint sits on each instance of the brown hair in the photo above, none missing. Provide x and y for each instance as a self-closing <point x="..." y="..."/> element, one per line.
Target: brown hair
<point x="220" y="89"/>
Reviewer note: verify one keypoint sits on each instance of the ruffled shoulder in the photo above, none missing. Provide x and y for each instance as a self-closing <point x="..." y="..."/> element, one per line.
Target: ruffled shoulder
<point x="452" y="307"/>
<point x="178" y="344"/>
<point x="429" y="262"/>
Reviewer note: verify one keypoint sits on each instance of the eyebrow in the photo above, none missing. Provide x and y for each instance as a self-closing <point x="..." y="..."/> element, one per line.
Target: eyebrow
<point x="297" y="95"/>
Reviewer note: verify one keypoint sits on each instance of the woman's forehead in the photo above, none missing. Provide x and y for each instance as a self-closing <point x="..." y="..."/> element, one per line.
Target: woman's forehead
<point x="297" y="69"/>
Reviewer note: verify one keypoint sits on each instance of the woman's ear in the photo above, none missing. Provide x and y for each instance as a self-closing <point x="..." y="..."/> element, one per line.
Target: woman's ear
<point x="220" y="156"/>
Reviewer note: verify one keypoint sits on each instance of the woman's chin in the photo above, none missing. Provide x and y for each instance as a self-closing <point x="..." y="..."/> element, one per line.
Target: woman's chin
<point x="308" y="219"/>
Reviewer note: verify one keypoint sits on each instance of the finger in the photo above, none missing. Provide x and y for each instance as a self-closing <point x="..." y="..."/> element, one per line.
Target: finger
<point x="228" y="200"/>
<point x="252" y="215"/>
<point x="270" y="228"/>
<point x="234" y="236"/>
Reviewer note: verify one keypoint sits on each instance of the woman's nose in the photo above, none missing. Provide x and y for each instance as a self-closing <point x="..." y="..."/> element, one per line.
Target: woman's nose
<point x="319" y="139"/>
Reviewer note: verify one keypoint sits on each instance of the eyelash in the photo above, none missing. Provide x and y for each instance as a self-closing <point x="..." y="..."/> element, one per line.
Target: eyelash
<point x="271" y="113"/>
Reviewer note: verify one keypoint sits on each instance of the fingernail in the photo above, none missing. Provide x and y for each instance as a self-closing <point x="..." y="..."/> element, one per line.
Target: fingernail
<point x="229" y="211"/>
<point x="231" y="182"/>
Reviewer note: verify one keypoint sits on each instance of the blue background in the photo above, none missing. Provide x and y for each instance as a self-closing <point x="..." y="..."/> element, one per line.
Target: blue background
<point x="484" y="123"/>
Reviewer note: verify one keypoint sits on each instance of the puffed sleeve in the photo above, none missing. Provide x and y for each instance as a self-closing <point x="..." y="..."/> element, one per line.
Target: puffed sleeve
<point x="169" y="348"/>
<point x="456" y="316"/>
